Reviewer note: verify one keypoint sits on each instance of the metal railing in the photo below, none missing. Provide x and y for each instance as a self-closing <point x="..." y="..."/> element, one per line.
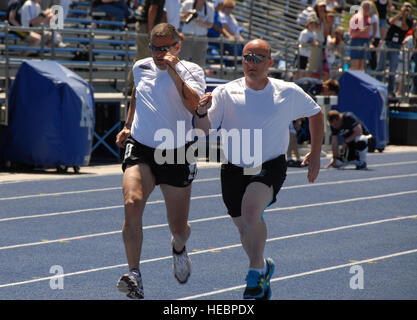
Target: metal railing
<point x="224" y="66"/>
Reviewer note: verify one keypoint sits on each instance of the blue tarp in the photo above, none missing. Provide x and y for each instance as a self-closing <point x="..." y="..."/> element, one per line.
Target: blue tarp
<point x="367" y="98"/>
<point x="212" y="83"/>
<point x="51" y="117"/>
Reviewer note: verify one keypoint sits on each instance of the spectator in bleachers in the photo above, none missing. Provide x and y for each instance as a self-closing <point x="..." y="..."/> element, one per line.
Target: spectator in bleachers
<point x="45" y="4"/>
<point x="383" y="6"/>
<point x="115" y="9"/>
<point x="406" y="56"/>
<point x="231" y="28"/>
<point x="335" y="5"/>
<point x="13" y="16"/>
<point x="303" y="15"/>
<point x="330" y="22"/>
<point x="152" y="14"/>
<point x="360" y="34"/>
<point x="229" y="22"/>
<point x="306" y="40"/>
<point x="198" y="17"/>
<point x="317" y="61"/>
<point x="31" y="15"/>
<point x="48" y="4"/>
<point x="375" y="36"/>
<point x="217" y="28"/>
<point x="413" y="40"/>
<point x="320" y="11"/>
<point x="334" y="49"/>
<point x="400" y="24"/>
<point x="173" y="10"/>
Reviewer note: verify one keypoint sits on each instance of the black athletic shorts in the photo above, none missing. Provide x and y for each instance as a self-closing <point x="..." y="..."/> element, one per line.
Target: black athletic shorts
<point x="234" y="182"/>
<point x="173" y="174"/>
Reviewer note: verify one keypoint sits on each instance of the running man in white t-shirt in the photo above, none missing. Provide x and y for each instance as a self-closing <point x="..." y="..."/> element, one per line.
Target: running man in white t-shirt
<point x="257" y="102"/>
<point x="166" y="93"/>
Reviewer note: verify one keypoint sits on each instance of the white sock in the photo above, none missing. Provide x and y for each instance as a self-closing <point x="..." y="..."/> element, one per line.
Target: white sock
<point x="261" y="271"/>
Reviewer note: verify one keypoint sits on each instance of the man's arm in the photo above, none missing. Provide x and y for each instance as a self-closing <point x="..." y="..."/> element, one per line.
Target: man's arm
<point x="313" y="157"/>
<point x="152" y="13"/>
<point x="189" y="96"/>
<point x="125" y="132"/>
<point x="356" y="131"/>
<point x="335" y="151"/>
<point x="203" y="123"/>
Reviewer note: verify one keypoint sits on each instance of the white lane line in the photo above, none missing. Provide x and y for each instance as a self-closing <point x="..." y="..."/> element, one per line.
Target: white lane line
<point x="101" y="234"/>
<point x="344" y="201"/>
<point x="55" y="194"/>
<point x="303" y="274"/>
<point x="318" y="184"/>
<point x="352" y="226"/>
<point x="42" y="215"/>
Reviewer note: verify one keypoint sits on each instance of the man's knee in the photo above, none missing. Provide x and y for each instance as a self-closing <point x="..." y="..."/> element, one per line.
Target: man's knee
<point x="251" y="213"/>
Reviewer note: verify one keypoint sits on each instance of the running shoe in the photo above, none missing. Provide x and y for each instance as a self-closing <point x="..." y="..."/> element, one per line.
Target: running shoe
<point x="181" y="264"/>
<point x="361" y="165"/>
<point x="257" y="284"/>
<point x="131" y="284"/>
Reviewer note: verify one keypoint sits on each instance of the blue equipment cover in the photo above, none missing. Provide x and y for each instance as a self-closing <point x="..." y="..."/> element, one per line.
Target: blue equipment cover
<point x="367" y="98"/>
<point x="212" y="83"/>
<point x="51" y="116"/>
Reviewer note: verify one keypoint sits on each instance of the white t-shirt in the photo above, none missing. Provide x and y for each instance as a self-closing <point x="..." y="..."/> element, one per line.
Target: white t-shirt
<point x="375" y="19"/>
<point x="29" y="11"/>
<point x="231" y="22"/>
<point x="206" y="16"/>
<point x="306" y="39"/>
<point x="159" y="105"/>
<point x="238" y="109"/>
<point x="172" y="8"/>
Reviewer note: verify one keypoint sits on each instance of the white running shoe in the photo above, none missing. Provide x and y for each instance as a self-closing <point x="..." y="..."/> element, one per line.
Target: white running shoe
<point x="131" y="284"/>
<point x="181" y="264"/>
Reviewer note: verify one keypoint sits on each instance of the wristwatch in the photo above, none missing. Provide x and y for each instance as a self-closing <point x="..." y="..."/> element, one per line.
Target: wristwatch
<point x="128" y="125"/>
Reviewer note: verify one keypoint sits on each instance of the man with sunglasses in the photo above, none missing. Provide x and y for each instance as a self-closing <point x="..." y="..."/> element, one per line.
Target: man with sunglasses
<point x="258" y="102"/>
<point x="166" y="92"/>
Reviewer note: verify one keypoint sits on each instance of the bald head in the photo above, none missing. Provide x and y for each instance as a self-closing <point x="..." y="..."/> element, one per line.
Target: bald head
<point x="256" y="70"/>
<point x="257" y="46"/>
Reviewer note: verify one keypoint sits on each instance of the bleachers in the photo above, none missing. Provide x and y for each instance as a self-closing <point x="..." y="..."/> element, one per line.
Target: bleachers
<point x="112" y="48"/>
<point x="110" y="45"/>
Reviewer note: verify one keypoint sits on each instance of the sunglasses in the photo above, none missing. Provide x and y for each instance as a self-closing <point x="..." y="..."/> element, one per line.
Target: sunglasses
<point x="162" y="49"/>
<point x="257" y="58"/>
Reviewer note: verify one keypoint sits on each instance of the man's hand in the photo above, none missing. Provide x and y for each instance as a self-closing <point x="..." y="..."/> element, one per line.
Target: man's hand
<point x="204" y="104"/>
<point x="313" y="161"/>
<point x="332" y="163"/>
<point x="171" y="60"/>
<point x="122" y="136"/>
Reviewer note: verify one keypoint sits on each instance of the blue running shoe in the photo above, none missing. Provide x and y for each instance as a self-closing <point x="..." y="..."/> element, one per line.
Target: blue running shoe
<point x="270" y="268"/>
<point x="257" y="284"/>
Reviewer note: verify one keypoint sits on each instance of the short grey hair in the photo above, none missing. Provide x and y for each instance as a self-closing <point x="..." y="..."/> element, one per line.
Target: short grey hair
<point x="164" y="30"/>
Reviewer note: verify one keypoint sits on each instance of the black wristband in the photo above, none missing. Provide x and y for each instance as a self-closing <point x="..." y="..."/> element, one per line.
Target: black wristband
<point x="201" y="115"/>
<point x="128" y="125"/>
